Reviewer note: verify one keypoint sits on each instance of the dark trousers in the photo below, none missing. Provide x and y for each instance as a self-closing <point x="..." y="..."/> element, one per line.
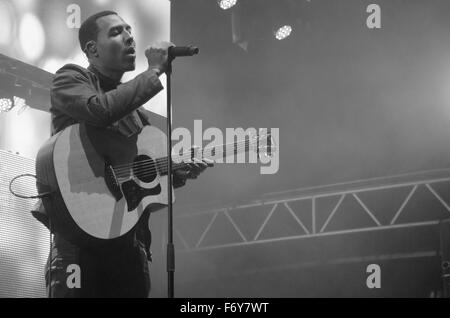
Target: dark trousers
<point x="119" y="271"/>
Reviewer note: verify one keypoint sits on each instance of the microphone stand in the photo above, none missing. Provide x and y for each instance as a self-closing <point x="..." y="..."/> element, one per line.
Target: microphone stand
<point x="172" y="53"/>
<point x="170" y="245"/>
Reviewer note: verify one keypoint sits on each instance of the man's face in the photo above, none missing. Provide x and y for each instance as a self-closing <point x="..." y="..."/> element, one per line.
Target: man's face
<point x="115" y="44"/>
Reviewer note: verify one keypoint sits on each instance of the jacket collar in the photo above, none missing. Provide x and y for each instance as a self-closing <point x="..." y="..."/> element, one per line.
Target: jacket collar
<point x="106" y="83"/>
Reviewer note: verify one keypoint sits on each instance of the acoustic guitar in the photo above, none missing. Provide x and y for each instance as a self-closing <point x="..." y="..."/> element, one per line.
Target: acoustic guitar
<point x="101" y="181"/>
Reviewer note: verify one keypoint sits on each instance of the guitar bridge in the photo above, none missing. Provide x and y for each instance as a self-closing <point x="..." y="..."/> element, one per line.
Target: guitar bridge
<point x="112" y="183"/>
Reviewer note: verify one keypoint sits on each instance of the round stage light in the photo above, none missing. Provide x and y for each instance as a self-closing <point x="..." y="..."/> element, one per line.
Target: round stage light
<point x="226" y="4"/>
<point x="31" y="36"/>
<point x="6" y="104"/>
<point x="283" y="32"/>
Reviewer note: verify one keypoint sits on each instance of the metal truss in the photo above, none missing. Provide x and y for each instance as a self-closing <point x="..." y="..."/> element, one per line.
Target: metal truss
<point x="413" y="203"/>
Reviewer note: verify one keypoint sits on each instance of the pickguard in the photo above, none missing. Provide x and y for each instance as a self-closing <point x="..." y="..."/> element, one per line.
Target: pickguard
<point x="134" y="193"/>
<point x="143" y="171"/>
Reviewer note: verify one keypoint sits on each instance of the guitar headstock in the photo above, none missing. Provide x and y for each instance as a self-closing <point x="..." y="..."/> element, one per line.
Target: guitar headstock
<point x="264" y="143"/>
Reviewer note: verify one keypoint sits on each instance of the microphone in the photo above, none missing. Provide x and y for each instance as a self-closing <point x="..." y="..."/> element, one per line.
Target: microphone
<point x="178" y="51"/>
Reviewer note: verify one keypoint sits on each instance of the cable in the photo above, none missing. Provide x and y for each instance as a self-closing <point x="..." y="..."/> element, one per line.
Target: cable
<point x="40" y="196"/>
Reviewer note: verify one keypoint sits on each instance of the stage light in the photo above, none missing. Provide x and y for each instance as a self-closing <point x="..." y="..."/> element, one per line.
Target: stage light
<point x="7" y="86"/>
<point x="31" y="37"/>
<point x="102" y="2"/>
<point x="14" y="92"/>
<point x="283" y="32"/>
<point x="226" y="4"/>
<point x="6" y="104"/>
<point x="255" y="23"/>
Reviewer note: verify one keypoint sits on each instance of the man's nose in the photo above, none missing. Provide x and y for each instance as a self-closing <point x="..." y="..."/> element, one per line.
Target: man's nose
<point x="129" y="39"/>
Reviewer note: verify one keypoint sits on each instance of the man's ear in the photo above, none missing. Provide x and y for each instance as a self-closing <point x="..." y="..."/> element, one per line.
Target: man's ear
<point x="91" y="48"/>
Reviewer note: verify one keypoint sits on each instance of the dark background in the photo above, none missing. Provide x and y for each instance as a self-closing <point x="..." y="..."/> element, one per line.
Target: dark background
<point x="351" y="103"/>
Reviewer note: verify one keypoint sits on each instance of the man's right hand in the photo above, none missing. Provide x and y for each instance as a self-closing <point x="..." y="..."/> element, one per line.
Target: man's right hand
<point x="157" y="56"/>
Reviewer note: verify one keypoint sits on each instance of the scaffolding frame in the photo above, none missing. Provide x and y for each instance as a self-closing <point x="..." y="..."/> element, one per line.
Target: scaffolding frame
<point x="428" y="181"/>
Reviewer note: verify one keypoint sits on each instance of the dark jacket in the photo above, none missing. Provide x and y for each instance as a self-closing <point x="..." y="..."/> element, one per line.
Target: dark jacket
<point x="80" y="95"/>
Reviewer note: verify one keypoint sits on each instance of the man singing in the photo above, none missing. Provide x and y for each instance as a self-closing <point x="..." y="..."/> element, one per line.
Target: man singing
<point x="95" y="97"/>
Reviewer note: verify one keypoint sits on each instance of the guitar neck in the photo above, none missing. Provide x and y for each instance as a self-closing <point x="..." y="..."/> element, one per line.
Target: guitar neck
<point x="212" y="153"/>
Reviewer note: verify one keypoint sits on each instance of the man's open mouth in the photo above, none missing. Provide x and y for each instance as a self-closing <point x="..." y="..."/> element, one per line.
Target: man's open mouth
<point x="130" y="51"/>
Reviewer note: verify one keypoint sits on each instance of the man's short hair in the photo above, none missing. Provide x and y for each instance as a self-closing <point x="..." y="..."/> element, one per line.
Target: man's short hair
<point x="89" y="28"/>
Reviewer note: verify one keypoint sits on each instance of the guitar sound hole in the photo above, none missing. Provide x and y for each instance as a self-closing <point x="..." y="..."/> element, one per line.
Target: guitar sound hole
<point x="144" y="168"/>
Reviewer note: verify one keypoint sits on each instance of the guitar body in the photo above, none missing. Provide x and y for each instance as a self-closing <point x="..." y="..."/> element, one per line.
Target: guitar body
<point x="91" y="200"/>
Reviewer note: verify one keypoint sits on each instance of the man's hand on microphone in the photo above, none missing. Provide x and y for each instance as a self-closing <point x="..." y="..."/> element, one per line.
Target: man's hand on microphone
<point x="157" y="56"/>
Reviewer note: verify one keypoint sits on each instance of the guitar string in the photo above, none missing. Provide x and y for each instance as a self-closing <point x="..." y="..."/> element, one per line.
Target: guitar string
<point x="249" y="139"/>
<point x="142" y="171"/>
<point x="137" y="165"/>
<point x="143" y="163"/>
<point x="147" y="172"/>
<point x="187" y="154"/>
